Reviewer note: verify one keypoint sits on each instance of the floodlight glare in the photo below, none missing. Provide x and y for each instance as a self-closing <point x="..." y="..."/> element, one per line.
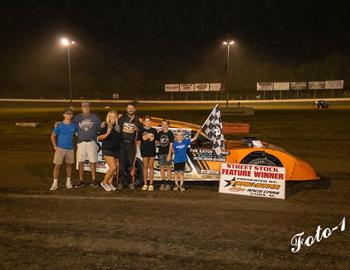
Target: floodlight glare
<point x="66" y="42"/>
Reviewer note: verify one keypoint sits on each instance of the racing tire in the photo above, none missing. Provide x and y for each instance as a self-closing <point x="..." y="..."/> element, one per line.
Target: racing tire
<point x="261" y="158"/>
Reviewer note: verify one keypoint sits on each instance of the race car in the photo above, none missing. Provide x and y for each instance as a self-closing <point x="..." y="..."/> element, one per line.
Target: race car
<point x="204" y="165"/>
<point x="321" y="104"/>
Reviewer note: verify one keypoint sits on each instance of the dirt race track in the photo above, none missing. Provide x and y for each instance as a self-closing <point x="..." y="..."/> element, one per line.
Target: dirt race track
<point x="196" y="229"/>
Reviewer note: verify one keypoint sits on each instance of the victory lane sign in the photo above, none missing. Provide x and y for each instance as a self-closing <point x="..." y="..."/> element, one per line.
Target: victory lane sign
<point x="253" y="180"/>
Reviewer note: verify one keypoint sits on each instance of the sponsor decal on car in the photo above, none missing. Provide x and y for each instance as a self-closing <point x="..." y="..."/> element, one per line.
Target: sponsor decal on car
<point x="208" y="154"/>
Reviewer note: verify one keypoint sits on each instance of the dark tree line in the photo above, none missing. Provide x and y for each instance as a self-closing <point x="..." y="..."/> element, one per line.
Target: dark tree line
<point x="96" y="79"/>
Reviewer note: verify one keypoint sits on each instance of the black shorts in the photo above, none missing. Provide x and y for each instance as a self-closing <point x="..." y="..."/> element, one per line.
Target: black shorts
<point x="148" y="153"/>
<point x="110" y="153"/>
<point x="179" y="167"/>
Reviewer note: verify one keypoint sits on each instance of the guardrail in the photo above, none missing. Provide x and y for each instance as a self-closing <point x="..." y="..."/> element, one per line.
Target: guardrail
<point x="231" y="102"/>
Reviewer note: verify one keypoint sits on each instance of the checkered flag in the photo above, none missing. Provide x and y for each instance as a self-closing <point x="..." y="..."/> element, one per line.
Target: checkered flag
<point x="212" y="127"/>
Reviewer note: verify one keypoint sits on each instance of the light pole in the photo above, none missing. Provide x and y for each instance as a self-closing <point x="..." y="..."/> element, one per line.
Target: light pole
<point x="228" y="44"/>
<point x="68" y="43"/>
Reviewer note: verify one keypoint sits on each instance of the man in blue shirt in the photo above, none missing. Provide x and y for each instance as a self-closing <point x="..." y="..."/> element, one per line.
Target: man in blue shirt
<point x="179" y="149"/>
<point x="87" y="149"/>
<point x="62" y="142"/>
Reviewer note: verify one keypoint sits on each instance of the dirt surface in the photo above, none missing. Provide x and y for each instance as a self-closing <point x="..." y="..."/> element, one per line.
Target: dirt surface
<point x="196" y="229"/>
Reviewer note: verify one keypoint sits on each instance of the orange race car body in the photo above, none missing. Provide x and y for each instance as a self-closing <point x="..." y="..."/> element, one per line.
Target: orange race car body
<point x="202" y="166"/>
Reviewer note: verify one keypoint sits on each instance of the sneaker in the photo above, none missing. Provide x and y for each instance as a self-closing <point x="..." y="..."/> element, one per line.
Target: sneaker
<point x="106" y="187"/>
<point x="145" y="187"/>
<point x="120" y="186"/>
<point x="182" y="188"/>
<point x="94" y="184"/>
<point x="162" y="187"/>
<point x="112" y="187"/>
<point x="69" y="184"/>
<point x="131" y="186"/>
<point x="150" y="188"/>
<point x="80" y="184"/>
<point x="54" y="187"/>
<point x="167" y="187"/>
<point x="176" y="188"/>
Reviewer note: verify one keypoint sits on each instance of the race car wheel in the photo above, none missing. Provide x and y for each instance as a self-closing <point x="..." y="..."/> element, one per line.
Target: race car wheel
<point x="261" y="158"/>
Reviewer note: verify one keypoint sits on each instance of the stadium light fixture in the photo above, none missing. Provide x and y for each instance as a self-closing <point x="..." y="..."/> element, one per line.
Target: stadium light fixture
<point x="231" y="42"/>
<point x="227" y="43"/>
<point x="65" y="42"/>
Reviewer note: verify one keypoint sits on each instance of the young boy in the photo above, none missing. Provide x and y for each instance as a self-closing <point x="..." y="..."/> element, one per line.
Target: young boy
<point x="62" y="142"/>
<point x="180" y="157"/>
<point x="165" y="138"/>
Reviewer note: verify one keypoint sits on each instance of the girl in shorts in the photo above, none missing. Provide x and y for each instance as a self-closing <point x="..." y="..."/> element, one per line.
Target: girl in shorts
<point x="165" y="139"/>
<point x="179" y="149"/>
<point x="146" y="141"/>
<point x="109" y="135"/>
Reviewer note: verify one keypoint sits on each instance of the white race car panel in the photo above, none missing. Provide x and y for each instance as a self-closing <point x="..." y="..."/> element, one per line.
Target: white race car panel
<point x="196" y="168"/>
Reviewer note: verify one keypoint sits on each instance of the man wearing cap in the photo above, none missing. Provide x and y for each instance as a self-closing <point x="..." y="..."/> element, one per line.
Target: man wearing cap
<point x="129" y="125"/>
<point x="88" y="125"/>
<point x="62" y="142"/>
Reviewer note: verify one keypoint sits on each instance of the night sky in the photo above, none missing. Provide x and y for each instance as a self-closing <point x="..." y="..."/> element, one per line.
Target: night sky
<point x="136" y="46"/>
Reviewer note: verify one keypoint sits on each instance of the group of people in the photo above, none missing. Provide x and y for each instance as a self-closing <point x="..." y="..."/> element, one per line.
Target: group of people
<point x="120" y="136"/>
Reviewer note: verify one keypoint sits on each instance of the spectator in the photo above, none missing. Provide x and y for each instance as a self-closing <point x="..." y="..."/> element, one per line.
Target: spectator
<point x="146" y="142"/>
<point x="88" y="125"/>
<point x="165" y="140"/>
<point x="62" y="142"/>
<point x="109" y="135"/>
<point x="129" y="125"/>
<point x="180" y="157"/>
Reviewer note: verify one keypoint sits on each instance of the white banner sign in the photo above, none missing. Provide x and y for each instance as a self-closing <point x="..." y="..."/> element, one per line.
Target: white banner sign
<point x="215" y="87"/>
<point x="171" y="87"/>
<point x="298" y="85"/>
<point x="281" y="86"/>
<point x="201" y="87"/>
<point x="186" y="87"/>
<point x="338" y="84"/>
<point x="253" y="180"/>
<point x="316" y="85"/>
<point x="264" y="86"/>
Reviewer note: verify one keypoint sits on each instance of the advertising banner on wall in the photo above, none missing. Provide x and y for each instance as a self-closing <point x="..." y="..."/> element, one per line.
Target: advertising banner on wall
<point x="336" y="84"/>
<point x="298" y="85"/>
<point x="281" y="86"/>
<point x="201" y="87"/>
<point x="171" y="87"/>
<point x="316" y="85"/>
<point x="264" y="86"/>
<point x="214" y="87"/>
<point x="252" y="180"/>
<point x="186" y="87"/>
